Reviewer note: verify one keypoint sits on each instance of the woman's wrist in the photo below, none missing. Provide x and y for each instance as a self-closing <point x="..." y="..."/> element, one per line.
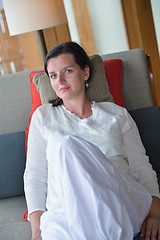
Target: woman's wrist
<point x="35" y="225"/>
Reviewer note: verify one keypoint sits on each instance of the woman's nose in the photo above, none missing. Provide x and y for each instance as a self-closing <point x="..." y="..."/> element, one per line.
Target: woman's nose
<point x="61" y="78"/>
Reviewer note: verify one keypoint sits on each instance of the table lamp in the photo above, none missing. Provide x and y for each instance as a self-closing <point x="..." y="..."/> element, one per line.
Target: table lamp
<point x="34" y="15"/>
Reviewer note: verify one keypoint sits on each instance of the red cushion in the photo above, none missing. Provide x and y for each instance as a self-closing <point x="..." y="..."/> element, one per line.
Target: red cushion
<point x="113" y="71"/>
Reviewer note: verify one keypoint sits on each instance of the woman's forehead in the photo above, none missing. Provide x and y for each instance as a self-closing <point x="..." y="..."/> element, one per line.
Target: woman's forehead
<point x="61" y="61"/>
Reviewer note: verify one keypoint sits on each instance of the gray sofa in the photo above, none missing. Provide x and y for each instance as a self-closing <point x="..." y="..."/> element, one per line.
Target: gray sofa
<point x="15" y="106"/>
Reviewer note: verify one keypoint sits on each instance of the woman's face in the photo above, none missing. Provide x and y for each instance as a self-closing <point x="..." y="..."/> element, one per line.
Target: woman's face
<point x="67" y="78"/>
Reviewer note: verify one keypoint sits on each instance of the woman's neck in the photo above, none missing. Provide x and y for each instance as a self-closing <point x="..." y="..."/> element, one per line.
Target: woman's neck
<point x="83" y="108"/>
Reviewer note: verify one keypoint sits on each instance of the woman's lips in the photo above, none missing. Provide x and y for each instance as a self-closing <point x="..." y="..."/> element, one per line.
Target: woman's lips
<point x="64" y="89"/>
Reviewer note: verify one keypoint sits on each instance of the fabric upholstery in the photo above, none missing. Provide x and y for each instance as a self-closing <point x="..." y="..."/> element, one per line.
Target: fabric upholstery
<point x="12" y="164"/>
<point x="136" y="85"/>
<point x="36" y="101"/>
<point x="15" y="102"/>
<point x="35" y="96"/>
<point x="12" y="226"/>
<point x="148" y="123"/>
<point x="113" y="71"/>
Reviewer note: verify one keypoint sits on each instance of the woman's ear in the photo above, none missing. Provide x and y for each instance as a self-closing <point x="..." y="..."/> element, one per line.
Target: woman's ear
<point x="86" y="73"/>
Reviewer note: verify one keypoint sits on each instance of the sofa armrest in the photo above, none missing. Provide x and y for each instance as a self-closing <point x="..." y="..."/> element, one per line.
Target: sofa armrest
<point x="148" y="123"/>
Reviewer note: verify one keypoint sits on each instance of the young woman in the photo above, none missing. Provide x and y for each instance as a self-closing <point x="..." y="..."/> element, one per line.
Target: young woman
<point x="87" y="175"/>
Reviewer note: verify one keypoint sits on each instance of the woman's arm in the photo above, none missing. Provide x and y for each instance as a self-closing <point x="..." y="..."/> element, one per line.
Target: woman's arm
<point x="35" y="176"/>
<point x="35" y="225"/>
<point x="141" y="169"/>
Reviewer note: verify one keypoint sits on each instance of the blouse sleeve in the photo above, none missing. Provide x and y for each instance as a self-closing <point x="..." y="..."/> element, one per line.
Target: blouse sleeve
<point x="140" y="168"/>
<point x="35" y="176"/>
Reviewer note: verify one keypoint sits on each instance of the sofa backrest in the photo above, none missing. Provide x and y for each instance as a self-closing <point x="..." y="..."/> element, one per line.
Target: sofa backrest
<point x="136" y="84"/>
<point x="15" y="102"/>
<point x="15" y="98"/>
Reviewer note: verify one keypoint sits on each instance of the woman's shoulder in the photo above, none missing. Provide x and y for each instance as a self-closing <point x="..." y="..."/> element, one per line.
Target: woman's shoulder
<point x="44" y="107"/>
<point x="45" y="110"/>
<point x="114" y="110"/>
<point x="110" y="107"/>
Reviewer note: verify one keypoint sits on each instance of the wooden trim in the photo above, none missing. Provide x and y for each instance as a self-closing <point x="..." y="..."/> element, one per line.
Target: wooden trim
<point x="83" y="22"/>
<point x="50" y="37"/>
<point x="151" y="76"/>
<point x="141" y="34"/>
<point x="62" y="33"/>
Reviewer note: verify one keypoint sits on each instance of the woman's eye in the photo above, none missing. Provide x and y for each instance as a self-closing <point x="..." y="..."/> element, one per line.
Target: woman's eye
<point x="53" y="76"/>
<point x="68" y="70"/>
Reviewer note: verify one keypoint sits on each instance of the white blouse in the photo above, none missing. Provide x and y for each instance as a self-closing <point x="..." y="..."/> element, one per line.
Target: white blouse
<point x="110" y="128"/>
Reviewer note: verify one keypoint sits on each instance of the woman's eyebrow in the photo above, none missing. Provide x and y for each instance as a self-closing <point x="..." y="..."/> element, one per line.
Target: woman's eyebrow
<point x="68" y="66"/>
<point x="62" y="69"/>
<point x="51" y="72"/>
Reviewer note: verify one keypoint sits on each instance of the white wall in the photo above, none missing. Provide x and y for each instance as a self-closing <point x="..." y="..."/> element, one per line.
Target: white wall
<point x="156" y="16"/>
<point x="107" y="24"/>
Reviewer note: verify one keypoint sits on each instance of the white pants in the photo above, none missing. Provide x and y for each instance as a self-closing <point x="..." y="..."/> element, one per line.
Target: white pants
<point x="98" y="202"/>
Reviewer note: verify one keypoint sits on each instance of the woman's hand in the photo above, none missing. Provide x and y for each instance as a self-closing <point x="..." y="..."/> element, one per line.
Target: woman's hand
<point x="151" y="226"/>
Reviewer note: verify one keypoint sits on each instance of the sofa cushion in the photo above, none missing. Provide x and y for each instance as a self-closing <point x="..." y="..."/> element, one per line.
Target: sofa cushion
<point x="113" y="71"/>
<point x="12" y="226"/>
<point x="98" y="86"/>
<point x="35" y="99"/>
<point x="12" y="164"/>
<point x="148" y="123"/>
